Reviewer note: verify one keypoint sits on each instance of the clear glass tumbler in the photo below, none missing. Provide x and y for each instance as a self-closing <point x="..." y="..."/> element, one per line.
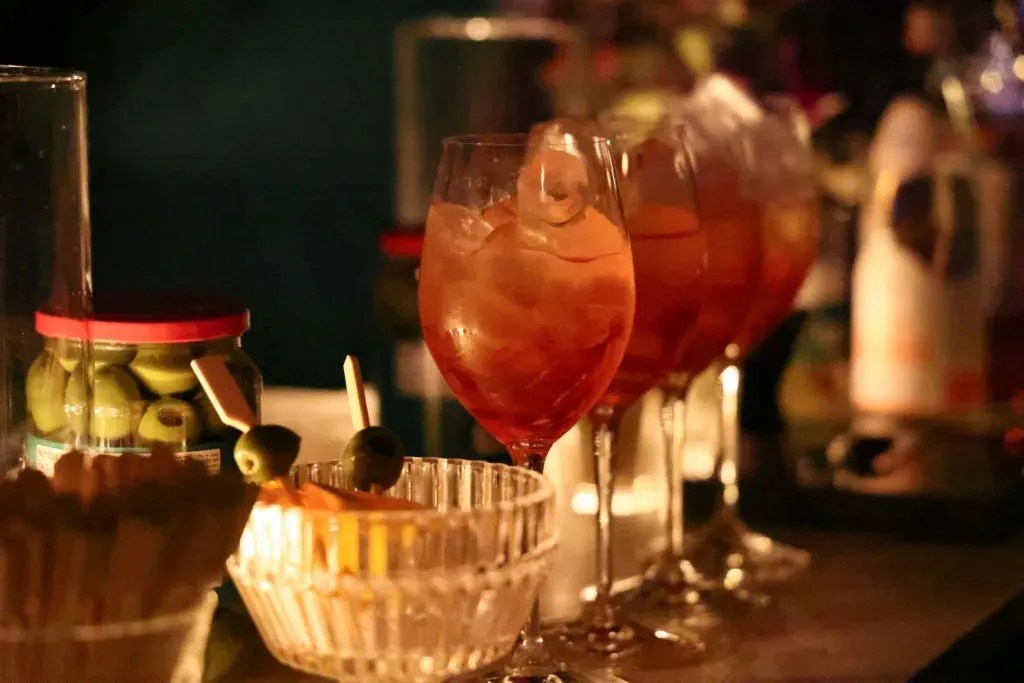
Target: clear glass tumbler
<point x="45" y="261"/>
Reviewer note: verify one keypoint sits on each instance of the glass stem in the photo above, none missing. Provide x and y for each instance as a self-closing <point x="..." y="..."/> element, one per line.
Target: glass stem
<point x="673" y="426"/>
<point x="728" y="470"/>
<point x="531" y="657"/>
<point x="605" y="481"/>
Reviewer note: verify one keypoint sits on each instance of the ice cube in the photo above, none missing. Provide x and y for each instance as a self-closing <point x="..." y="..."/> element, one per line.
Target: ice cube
<point x="551" y="187"/>
<point x="589" y="310"/>
<point x="462" y="231"/>
<point x="488" y="175"/>
<point x="481" y="322"/>
<point x="719" y="92"/>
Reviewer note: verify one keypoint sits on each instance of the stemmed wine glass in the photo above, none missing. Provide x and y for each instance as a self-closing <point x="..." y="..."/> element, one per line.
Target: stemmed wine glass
<point x="669" y="260"/>
<point x="775" y="141"/>
<point x="673" y="593"/>
<point x="526" y="295"/>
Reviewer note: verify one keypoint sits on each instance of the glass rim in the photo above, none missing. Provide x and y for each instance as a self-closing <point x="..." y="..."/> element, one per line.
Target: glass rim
<point x="113" y="629"/>
<point x="521" y="140"/>
<point x="14" y="73"/>
<point x="544" y="494"/>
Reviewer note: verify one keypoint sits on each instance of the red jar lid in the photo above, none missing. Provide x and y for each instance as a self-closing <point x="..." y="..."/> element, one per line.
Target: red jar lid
<point x="401" y="244"/>
<point x="149" y="319"/>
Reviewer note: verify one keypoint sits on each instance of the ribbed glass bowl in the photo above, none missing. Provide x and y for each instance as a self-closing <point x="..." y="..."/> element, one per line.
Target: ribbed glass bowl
<point x="411" y="596"/>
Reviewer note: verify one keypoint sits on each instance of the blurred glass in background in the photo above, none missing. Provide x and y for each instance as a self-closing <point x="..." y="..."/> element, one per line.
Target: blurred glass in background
<point x="45" y="259"/>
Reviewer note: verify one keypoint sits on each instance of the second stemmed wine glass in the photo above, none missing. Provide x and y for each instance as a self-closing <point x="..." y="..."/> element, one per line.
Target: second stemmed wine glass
<point x="669" y="261"/>
<point x="526" y="296"/>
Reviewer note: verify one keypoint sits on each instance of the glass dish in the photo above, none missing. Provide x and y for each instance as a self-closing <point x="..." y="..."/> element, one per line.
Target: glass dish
<point x="163" y="649"/>
<point x="415" y="596"/>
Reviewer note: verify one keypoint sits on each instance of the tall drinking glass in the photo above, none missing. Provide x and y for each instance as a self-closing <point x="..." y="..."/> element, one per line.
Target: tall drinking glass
<point x="775" y="137"/>
<point x="45" y="261"/>
<point x="526" y="295"/>
<point x="673" y="591"/>
<point x="669" y="261"/>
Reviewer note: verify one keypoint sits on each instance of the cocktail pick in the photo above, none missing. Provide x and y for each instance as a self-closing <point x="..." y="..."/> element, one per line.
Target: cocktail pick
<point x="233" y="409"/>
<point x="224" y="394"/>
<point x="356" y="393"/>
<point x="373" y="458"/>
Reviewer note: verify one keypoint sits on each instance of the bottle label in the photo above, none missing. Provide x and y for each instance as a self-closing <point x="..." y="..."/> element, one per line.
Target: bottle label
<point x="43" y="454"/>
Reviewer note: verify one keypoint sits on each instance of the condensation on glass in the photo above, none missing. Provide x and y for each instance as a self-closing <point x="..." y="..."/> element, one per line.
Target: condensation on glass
<point x="45" y="261"/>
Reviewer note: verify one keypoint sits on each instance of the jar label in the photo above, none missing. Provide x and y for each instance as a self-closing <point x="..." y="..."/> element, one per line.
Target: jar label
<point x="42" y="454"/>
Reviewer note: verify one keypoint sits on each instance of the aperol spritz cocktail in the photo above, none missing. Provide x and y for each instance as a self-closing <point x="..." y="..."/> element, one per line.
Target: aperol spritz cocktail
<point x="527" y="330"/>
<point x="527" y="295"/>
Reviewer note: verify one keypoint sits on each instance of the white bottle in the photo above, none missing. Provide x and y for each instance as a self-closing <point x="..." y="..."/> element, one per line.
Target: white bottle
<point x="926" y="273"/>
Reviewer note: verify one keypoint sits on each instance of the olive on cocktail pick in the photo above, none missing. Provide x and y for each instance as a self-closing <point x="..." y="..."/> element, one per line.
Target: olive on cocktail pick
<point x="266" y="452"/>
<point x="373" y="459"/>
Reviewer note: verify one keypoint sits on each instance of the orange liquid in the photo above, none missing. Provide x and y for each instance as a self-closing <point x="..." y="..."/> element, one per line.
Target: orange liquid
<point x="790" y="238"/>
<point x="669" y="257"/>
<point x="734" y="273"/>
<point x="527" y="335"/>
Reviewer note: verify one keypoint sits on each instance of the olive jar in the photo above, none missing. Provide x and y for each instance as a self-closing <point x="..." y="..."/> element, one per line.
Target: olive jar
<point x="143" y="389"/>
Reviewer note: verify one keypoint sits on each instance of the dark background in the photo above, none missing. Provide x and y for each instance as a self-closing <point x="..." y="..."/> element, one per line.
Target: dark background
<point x="245" y="146"/>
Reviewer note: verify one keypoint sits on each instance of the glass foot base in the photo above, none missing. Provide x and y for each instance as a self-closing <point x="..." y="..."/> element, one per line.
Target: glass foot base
<point x="727" y="552"/>
<point x="681" y="601"/>
<point x="606" y="636"/>
<point x="530" y="662"/>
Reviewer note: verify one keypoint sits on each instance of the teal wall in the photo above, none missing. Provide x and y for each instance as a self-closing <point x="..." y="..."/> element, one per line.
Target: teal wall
<point x="240" y="147"/>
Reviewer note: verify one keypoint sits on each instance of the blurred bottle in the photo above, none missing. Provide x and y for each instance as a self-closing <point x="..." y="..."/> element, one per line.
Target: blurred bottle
<point x="928" y="268"/>
<point x="484" y="74"/>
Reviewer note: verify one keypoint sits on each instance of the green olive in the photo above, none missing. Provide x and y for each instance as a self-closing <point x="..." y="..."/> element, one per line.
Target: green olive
<point x="116" y="408"/>
<point x="165" y="369"/>
<point x="373" y="459"/>
<point x="102" y="356"/>
<point x="44" y="391"/>
<point x="266" y="452"/>
<point x="169" y="420"/>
